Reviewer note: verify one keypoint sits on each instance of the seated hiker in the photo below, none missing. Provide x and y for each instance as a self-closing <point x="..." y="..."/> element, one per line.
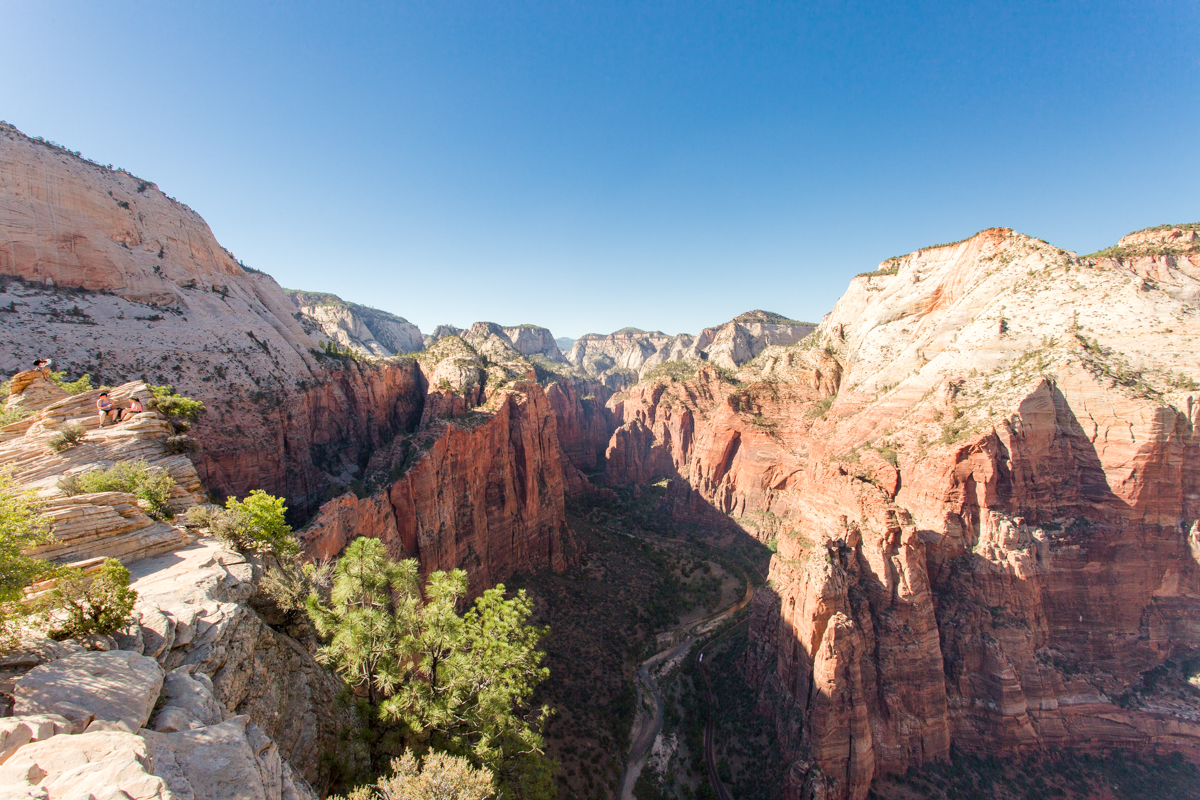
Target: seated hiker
<point x="105" y="408"/>
<point x="44" y="365"/>
<point x="132" y="410"/>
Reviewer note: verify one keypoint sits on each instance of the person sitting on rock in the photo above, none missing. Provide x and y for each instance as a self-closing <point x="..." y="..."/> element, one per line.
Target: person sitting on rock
<point x="44" y="365"/>
<point x="132" y="410"/>
<point x="105" y="408"/>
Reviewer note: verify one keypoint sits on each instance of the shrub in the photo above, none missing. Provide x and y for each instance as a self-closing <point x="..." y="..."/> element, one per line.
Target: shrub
<point x="78" y="386"/>
<point x="820" y="408"/>
<point x="181" y="443"/>
<point x="136" y="477"/>
<point x="255" y="524"/>
<point x="11" y="415"/>
<point x="200" y="516"/>
<point x="173" y="405"/>
<point x="20" y="528"/>
<point x="67" y="437"/>
<point x="82" y="603"/>
<point x="439" y="777"/>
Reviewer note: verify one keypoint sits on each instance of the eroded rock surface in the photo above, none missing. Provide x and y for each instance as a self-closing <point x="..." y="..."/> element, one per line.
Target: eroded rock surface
<point x="95" y="690"/>
<point x="982" y="476"/>
<point x="362" y="329"/>
<point x="620" y="359"/>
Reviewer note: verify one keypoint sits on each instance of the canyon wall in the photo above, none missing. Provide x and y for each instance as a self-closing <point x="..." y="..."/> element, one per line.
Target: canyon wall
<point x="105" y="274"/>
<point x="982" y="476"/>
<point x="362" y="329"/>
<point x="108" y="276"/>
<point x="485" y="495"/>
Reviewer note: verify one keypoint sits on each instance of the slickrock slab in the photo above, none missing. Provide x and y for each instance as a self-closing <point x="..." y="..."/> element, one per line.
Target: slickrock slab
<point x="117" y="687"/>
<point x="105" y="765"/>
<point x="230" y="761"/>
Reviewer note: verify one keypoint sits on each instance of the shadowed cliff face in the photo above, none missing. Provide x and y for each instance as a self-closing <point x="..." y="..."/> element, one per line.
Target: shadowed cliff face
<point x="485" y="496"/>
<point x="983" y="478"/>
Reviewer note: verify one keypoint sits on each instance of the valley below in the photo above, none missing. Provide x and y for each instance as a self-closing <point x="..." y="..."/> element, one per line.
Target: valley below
<point x="943" y="543"/>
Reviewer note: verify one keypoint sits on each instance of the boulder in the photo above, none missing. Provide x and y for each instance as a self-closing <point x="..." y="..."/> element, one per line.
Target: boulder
<point x="230" y="761"/>
<point x="19" y="731"/>
<point x="188" y="702"/>
<point x="116" y="687"/>
<point x="100" y="765"/>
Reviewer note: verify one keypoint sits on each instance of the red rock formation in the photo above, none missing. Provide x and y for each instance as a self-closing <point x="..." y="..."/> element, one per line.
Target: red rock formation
<point x="983" y="477"/>
<point x="584" y="423"/>
<point x="291" y="446"/>
<point x="487" y="498"/>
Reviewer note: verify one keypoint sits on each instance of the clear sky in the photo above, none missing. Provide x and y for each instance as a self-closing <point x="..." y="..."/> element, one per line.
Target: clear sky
<point x="587" y="166"/>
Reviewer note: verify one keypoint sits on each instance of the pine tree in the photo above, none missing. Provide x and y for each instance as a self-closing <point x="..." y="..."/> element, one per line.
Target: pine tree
<point x="435" y="679"/>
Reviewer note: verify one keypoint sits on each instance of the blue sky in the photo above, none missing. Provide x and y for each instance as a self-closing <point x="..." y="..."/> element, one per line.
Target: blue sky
<point x="588" y="166"/>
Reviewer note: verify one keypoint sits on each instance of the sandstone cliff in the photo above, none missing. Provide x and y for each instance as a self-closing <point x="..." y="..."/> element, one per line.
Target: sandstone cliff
<point x="982" y="476"/>
<point x="621" y="358"/>
<point x="365" y="330"/>
<point x="479" y="485"/>
<point x="107" y="275"/>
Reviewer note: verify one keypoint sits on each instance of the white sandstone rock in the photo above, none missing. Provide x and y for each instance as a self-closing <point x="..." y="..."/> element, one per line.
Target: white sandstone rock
<point x="117" y="687"/>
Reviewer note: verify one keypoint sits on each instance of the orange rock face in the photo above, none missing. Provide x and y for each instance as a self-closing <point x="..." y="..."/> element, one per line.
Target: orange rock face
<point x="487" y="499"/>
<point x="983" y="480"/>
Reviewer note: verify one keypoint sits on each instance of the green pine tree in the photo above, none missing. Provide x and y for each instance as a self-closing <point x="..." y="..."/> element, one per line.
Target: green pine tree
<point x="434" y="679"/>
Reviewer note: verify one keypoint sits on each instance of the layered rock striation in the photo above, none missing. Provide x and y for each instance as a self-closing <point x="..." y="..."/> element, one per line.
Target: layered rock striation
<point x="982" y="476"/>
<point x="197" y="692"/>
<point x="479" y="485"/>
<point x="362" y="329"/>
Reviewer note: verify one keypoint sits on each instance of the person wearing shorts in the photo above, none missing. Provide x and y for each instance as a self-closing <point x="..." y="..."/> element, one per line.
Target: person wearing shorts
<point x="105" y="408"/>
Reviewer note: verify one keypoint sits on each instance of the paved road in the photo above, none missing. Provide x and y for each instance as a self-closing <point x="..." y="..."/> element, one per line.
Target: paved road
<point x="645" y="727"/>
<point x="710" y="725"/>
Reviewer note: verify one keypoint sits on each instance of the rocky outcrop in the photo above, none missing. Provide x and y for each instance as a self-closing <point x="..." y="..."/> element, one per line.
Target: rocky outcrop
<point x="193" y="615"/>
<point x="440" y="332"/>
<point x="105" y="524"/>
<point x="362" y="329"/>
<point x="981" y="473"/>
<point x="621" y="358"/>
<point x="233" y="686"/>
<point x="531" y="340"/>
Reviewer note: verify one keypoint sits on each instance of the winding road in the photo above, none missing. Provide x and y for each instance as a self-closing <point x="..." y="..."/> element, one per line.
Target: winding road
<point x="646" y="727"/>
